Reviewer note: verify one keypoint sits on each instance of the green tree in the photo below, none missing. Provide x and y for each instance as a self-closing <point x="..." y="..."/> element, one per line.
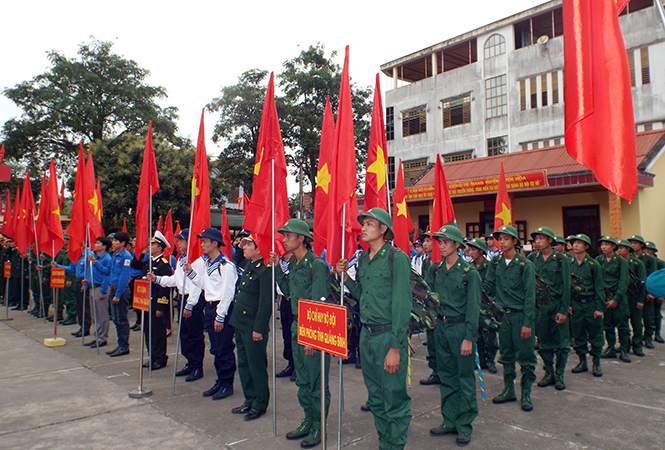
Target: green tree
<point x="90" y="98"/>
<point x="306" y="81"/>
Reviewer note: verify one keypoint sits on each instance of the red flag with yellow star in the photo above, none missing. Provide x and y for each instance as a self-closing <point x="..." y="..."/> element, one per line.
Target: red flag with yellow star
<point x="443" y="211"/>
<point x="25" y="229"/>
<point x="402" y="224"/>
<point x="51" y="239"/>
<point x="200" y="214"/>
<point x="93" y="201"/>
<point x="7" y="218"/>
<point x="502" y="212"/>
<point x="76" y="228"/>
<point x="269" y="153"/>
<point x="226" y="235"/>
<point x="148" y="185"/>
<point x="322" y="197"/>
<point x="375" y="178"/>
<point x="168" y="234"/>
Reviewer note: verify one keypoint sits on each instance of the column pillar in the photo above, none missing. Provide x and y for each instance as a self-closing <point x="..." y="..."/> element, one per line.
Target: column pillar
<point x="435" y="68"/>
<point x="616" y="217"/>
<point x="395" y="77"/>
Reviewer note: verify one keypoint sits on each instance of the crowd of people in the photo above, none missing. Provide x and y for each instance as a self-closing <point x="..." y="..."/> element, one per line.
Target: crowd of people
<point x="551" y="296"/>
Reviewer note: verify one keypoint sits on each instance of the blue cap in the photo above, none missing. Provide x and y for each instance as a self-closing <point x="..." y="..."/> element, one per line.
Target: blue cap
<point x="184" y="235"/>
<point x="213" y="234"/>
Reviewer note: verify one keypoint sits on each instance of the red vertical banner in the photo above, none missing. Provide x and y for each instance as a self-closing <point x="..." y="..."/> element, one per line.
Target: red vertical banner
<point x="377" y="157"/>
<point x="402" y="225"/>
<point x="141" y="295"/>
<point x="502" y="210"/>
<point x="323" y="175"/>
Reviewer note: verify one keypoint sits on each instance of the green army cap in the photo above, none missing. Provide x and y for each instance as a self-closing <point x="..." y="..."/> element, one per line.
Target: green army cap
<point x="625" y="243"/>
<point x="426" y="234"/>
<point x="651" y="245"/>
<point x="570" y="238"/>
<point x="580" y="237"/>
<point x="559" y="239"/>
<point x="509" y="230"/>
<point x="450" y="232"/>
<point x="65" y="236"/>
<point x="478" y="243"/>
<point x="638" y="238"/>
<point x="608" y="238"/>
<point x="297" y="226"/>
<point x="383" y="217"/>
<point x="544" y="231"/>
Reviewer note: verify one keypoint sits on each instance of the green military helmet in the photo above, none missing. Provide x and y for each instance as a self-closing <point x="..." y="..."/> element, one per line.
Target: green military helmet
<point x="383" y="217"/>
<point x="544" y="231"/>
<point x="610" y="239"/>
<point x="637" y="238"/>
<point x="559" y="240"/>
<point x="570" y="238"/>
<point x="426" y="234"/>
<point x="509" y="230"/>
<point x="65" y="236"/>
<point x="450" y="232"/>
<point x="297" y="226"/>
<point x="625" y="243"/>
<point x="478" y="243"/>
<point x="651" y="245"/>
<point x="580" y="237"/>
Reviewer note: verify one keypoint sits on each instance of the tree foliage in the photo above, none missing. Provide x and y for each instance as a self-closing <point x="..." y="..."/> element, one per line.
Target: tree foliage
<point x="90" y="98"/>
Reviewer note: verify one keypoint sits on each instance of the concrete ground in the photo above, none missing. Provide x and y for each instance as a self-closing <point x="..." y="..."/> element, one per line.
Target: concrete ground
<point x="69" y="397"/>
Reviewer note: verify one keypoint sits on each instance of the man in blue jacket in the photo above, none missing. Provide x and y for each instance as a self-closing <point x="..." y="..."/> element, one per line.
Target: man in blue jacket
<point x="98" y="280"/>
<point x="119" y="292"/>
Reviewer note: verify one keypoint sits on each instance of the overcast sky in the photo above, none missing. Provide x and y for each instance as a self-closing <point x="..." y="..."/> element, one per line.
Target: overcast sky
<point x="194" y="48"/>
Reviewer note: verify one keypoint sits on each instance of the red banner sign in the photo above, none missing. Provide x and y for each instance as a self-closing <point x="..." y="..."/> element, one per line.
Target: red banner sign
<point x="141" y="295"/>
<point x="8" y="269"/>
<point x="515" y="182"/>
<point x="58" y="278"/>
<point x="322" y="326"/>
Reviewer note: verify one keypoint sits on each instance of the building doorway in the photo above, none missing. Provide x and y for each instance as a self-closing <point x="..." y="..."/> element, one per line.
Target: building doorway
<point x="583" y="219"/>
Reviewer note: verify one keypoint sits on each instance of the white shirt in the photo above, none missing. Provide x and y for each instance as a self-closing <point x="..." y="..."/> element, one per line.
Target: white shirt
<point x="417" y="263"/>
<point x="218" y="279"/>
<point x="183" y="283"/>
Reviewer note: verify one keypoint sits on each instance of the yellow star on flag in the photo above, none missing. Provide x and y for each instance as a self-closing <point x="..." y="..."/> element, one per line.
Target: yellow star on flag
<point x="94" y="202"/>
<point x="57" y="212"/>
<point x="504" y="215"/>
<point x="401" y="208"/>
<point x="257" y="166"/>
<point x="323" y="178"/>
<point x="378" y="167"/>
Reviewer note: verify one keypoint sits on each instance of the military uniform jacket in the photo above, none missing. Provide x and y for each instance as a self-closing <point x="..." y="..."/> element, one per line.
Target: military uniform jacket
<point x="62" y="259"/>
<point x="650" y="263"/>
<point x="555" y="271"/>
<point x="384" y="293"/>
<point x="482" y="270"/>
<point x="459" y="290"/>
<point x="615" y="276"/>
<point x="308" y="279"/>
<point x="638" y="270"/>
<point x="513" y="285"/>
<point x="592" y="284"/>
<point x="15" y="258"/>
<point x="253" y="302"/>
<point x="160" y="267"/>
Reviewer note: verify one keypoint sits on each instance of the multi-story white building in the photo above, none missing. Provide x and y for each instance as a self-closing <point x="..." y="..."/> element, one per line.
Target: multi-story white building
<point x="498" y="90"/>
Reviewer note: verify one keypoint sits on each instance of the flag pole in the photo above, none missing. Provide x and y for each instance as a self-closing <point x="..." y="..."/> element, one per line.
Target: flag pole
<point x="184" y="282"/>
<point x="22" y="283"/>
<point x="388" y="192"/>
<point x="85" y="276"/>
<point x="91" y="291"/>
<point x="150" y="288"/>
<point x="340" y="405"/>
<point x="274" y="376"/>
<point x="42" y="307"/>
<point x="661" y="11"/>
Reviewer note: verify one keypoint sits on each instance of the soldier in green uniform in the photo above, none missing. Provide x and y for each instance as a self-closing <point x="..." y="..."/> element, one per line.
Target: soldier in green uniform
<point x="459" y="286"/>
<point x="250" y="317"/>
<point x="67" y="295"/>
<point x="560" y="244"/>
<point x="636" y="294"/>
<point x="587" y="305"/>
<point x="651" y="249"/>
<point x="615" y="277"/>
<point x="383" y="288"/>
<point x="511" y="280"/>
<point x="40" y="276"/>
<point x="553" y="269"/>
<point x="488" y="346"/>
<point x="638" y="243"/>
<point x="308" y="278"/>
<point x="19" y="284"/>
<point x="431" y="352"/>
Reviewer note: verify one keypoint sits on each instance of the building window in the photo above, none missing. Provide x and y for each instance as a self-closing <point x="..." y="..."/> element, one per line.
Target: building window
<point x="458" y="157"/>
<point x="495" y="46"/>
<point x="496" y="96"/>
<point x="631" y="66"/>
<point x="457" y="111"/>
<point x="522" y="95"/>
<point x="497" y="145"/>
<point x="391" y="172"/>
<point x="413" y="168"/>
<point x="473" y="230"/>
<point x="390" y="123"/>
<point x="543" y="89"/>
<point x="644" y="60"/>
<point x="533" y="90"/>
<point x="548" y="24"/>
<point x="555" y="88"/>
<point x="414" y="121"/>
<point x="520" y="226"/>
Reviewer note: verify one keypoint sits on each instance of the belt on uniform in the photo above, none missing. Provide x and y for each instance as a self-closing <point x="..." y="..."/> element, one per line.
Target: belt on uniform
<point x="97" y="285"/>
<point x="378" y="328"/>
<point x="446" y="319"/>
<point x="584" y="300"/>
<point x="511" y="310"/>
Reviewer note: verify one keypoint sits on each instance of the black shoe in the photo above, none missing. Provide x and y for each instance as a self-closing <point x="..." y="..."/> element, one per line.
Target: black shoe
<point x="293" y="377"/>
<point x="213" y="390"/>
<point x="224" y="392"/>
<point x="69" y="321"/>
<point x="96" y="344"/>
<point x="648" y="344"/>
<point x="135" y="327"/>
<point x="365" y="408"/>
<point x="348" y="361"/>
<point x="119" y="352"/>
<point x="638" y="352"/>
<point x="463" y="439"/>
<point x="286" y="372"/>
<point x="196" y="374"/>
<point x="157" y="365"/>
<point x="92" y="343"/>
<point x="432" y="379"/>
<point x="623" y="356"/>
<point x="184" y="371"/>
<point x="77" y="334"/>
<point x="113" y="351"/>
<point x="658" y="338"/>
<point x="244" y="409"/>
<point x="491" y="368"/>
<point x="254" y="414"/>
<point x="358" y="364"/>
<point x="16" y="308"/>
